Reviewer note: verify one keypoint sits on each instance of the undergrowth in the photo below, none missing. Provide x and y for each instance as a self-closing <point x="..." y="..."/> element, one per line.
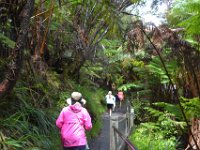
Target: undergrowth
<point x="28" y="116"/>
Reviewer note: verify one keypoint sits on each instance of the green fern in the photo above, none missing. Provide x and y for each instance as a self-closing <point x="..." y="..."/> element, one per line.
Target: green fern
<point x="128" y="86"/>
<point x="187" y="14"/>
<point x="154" y="112"/>
<point x="173" y="109"/>
<point x="169" y="118"/>
<point x="156" y="68"/>
<point x="191" y="107"/>
<point x="150" y="136"/>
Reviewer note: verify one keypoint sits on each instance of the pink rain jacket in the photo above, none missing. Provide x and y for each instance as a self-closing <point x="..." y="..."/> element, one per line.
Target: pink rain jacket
<point x="72" y="122"/>
<point x="120" y="95"/>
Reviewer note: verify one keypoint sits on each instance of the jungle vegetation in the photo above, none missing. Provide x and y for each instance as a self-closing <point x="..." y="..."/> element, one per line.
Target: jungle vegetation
<point x="50" y="48"/>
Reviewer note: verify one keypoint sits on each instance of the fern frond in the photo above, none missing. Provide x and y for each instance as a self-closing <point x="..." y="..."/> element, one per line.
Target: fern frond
<point x="154" y="112"/>
<point x="173" y="109"/>
<point x="129" y="86"/>
<point x="191" y="107"/>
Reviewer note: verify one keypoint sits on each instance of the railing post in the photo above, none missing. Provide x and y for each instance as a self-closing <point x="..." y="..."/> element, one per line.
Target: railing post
<point x="132" y="116"/>
<point x="113" y="136"/>
<point x="124" y="124"/>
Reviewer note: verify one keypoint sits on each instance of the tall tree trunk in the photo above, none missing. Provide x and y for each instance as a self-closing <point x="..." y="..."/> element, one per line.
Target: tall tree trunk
<point x="15" y="65"/>
<point x="39" y="21"/>
<point x="41" y="37"/>
<point x="195" y="128"/>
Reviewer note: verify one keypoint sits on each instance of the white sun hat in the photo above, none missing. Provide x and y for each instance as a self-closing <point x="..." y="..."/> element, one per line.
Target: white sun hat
<point x="76" y="96"/>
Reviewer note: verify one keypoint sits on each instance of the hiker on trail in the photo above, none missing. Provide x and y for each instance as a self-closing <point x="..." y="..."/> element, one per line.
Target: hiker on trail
<point x="71" y="101"/>
<point x="120" y="95"/>
<point x="110" y="100"/>
<point x="72" y="122"/>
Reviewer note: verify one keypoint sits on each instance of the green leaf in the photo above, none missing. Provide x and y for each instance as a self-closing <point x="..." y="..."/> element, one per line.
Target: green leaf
<point x="7" y="41"/>
<point x="13" y="143"/>
<point x="129" y="86"/>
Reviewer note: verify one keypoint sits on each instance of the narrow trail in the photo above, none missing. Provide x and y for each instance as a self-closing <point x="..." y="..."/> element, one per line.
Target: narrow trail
<point x="102" y="142"/>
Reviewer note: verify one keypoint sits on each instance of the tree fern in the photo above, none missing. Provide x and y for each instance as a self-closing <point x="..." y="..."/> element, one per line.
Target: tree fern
<point x="155" y="68"/>
<point x="171" y="108"/>
<point x="187" y="13"/>
<point x="167" y="119"/>
<point x="191" y="107"/>
<point x="154" y="112"/>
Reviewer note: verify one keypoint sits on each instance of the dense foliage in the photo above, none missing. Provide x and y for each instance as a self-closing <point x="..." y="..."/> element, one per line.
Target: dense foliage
<point x="91" y="47"/>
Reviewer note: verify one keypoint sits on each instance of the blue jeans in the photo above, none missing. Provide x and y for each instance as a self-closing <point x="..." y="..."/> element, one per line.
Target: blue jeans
<point x="82" y="147"/>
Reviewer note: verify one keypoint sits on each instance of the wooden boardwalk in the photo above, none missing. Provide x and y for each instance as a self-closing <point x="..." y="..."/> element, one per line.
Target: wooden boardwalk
<point x="102" y="142"/>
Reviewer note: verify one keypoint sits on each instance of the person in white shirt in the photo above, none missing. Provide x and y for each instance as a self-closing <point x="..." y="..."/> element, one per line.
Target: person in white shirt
<point x="110" y="100"/>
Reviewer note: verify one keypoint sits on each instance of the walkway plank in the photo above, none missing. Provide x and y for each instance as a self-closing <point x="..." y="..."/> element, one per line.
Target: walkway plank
<point x="102" y="142"/>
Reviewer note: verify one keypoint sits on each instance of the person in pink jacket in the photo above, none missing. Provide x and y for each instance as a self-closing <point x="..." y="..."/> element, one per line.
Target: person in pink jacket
<point x="72" y="122"/>
<point x="120" y="95"/>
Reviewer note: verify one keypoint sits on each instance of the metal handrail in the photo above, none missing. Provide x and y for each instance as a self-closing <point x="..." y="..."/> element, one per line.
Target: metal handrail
<point x="124" y="138"/>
